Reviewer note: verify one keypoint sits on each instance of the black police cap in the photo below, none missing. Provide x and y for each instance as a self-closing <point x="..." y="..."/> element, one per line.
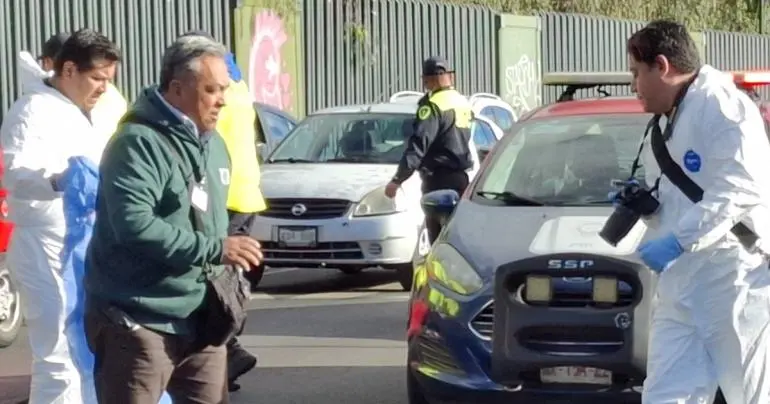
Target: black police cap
<point x="436" y="65"/>
<point x="53" y="45"/>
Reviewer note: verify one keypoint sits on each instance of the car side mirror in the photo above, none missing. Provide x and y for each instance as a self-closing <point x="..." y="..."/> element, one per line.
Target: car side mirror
<point x="483" y="152"/>
<point x="439" y="204"/>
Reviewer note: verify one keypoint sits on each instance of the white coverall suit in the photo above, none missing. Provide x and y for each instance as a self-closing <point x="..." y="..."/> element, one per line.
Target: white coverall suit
<point x="39" y="133"/>
<point x="710" y="322"/>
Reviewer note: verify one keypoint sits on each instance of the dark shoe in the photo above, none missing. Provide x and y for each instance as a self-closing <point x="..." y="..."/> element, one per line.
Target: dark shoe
<point x="239" y="362"/>
<point x="233" y="386"/>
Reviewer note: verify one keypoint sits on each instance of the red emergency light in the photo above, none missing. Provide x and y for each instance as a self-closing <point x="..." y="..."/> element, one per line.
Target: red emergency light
<point x="750" y="79"/>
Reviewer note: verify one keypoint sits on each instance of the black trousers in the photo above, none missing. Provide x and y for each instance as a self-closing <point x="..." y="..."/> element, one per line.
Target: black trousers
<point x="456" y="180"/>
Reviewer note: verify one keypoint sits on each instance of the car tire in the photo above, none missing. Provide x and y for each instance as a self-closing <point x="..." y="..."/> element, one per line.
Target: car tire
<point x="9" y="327"/>
<point x="255" y="276"/>
<point x="351" y="270"/>
<point x="405" y="272"/>
<point x="405" y="275"/>
<point x="413" y="393"/>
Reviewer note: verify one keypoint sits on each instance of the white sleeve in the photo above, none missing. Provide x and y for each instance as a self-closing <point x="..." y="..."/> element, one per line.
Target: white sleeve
<point x="734" y="187"/>
<point x="25" y="155"/>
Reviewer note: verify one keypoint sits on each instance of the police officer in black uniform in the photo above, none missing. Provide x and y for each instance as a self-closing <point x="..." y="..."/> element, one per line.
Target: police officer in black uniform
<point x="438" y="147"/>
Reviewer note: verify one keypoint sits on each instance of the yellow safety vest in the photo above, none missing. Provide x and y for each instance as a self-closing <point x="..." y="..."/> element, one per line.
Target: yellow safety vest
<point x="236" y="126"/>
<point x="109" y="110"/>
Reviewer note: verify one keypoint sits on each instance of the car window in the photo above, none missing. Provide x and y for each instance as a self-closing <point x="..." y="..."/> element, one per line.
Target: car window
<point x="482" y="133"/>
<point x="499" y="115"/>
<point x="276" y="126"/>
<point x="357" y="137"/>
<point x="566" y="160"/>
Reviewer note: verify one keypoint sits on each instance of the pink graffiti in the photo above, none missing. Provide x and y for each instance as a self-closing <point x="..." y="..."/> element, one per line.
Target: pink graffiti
<point x="267" y="77"/>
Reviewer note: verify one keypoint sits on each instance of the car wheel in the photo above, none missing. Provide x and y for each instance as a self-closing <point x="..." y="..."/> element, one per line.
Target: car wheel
<point x="351" y="270"/>
<point x="10" y="308"/>
<point x="405" y="275"/>
<point x="255" y="276"/>
<point x="413" y="392"/>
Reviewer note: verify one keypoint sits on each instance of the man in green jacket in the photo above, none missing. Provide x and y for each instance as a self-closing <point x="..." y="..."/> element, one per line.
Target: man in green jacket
<point x="145" y="279"/>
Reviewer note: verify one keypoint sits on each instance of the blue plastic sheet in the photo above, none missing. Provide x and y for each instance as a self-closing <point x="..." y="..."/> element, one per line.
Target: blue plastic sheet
<point x="80" y="183"/>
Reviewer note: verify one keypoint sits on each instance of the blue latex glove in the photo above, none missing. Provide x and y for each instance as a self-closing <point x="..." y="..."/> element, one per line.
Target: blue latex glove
<point x="658" y="254"/>
<point x="79" y="183"/>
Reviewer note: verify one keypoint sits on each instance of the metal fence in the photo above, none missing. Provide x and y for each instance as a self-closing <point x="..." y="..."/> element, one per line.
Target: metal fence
<point x="363" y="51"/>
<point x="575" y="42"/>
<point x="737" y="51"/>
<point x="142" y="29"/>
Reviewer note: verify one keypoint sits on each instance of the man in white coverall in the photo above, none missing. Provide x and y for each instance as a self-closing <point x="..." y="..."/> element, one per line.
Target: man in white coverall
<point x="46" y="126"/>
<point x="710" y="323"/>
<point x="107" y="111"/>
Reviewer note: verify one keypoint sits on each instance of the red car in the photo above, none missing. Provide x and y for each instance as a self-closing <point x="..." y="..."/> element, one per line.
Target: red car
<point x="504" y="307"/>
<point x="10" y="308"/>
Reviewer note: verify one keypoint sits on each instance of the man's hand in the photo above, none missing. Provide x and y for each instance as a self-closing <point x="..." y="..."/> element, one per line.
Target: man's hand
<point x="391" y="189"/>
<point x="242" y="252"/>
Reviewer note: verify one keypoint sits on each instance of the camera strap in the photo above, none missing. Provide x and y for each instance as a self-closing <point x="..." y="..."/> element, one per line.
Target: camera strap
<point x="674" y="172"/>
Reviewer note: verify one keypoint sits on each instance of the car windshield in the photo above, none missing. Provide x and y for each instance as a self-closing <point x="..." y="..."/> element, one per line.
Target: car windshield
<point x="377" y="138"/>
<point x="563" y="161"/>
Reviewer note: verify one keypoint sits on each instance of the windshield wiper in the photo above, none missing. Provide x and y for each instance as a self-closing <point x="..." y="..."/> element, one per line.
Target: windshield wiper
<point x="577" y="202"/>
<point x="290" y="160"/>
<point x="509" y="198"/>
<point x="346" y="160"/>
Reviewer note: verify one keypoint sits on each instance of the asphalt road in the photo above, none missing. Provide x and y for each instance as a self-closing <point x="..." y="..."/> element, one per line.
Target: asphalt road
<point x="322" y="337"/>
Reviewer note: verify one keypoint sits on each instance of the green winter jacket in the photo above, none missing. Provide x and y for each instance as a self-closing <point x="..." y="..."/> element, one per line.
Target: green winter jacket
<point x="144" y="256"/>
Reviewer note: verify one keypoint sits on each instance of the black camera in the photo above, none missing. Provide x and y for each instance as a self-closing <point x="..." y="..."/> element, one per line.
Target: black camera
<point x="632" y="202"/>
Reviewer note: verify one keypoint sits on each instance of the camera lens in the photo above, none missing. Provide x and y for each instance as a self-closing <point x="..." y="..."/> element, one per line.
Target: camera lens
<point x="618" y="225"/>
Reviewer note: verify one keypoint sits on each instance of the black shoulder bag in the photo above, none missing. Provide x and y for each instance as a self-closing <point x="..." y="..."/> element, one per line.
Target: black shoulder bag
<point x="223" y="312"/>
<point x="677" y="176"/>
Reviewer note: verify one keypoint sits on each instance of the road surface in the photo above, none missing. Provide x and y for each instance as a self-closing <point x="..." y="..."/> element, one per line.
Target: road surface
<point x="322" y="337"/>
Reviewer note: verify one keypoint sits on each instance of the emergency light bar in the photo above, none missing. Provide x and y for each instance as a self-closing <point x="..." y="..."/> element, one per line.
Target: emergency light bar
<point x="583" y="80"/>
<point x="587" y="79"/>
<point x="751" y="78"/>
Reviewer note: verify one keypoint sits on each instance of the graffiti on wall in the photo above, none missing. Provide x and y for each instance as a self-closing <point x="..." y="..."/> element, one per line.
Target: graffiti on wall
<point x="523" y="89"/>
<point x="269" y="79"/>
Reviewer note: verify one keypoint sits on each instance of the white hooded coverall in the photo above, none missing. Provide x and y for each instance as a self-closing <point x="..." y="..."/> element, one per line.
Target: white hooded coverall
<point x="39" y="133"/>
<point x="710" y="322"/>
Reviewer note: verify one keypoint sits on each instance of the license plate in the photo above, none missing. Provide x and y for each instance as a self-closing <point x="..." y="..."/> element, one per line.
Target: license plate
<point x="576" y="375"/>
<point x="297" y="236"/>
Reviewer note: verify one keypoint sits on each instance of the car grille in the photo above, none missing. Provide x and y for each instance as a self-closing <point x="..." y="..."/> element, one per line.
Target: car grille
<point x="322" y="251"/>
<point x="314" y="208"/>
<point x="435" y="355"/>
<point x="571" y="341"/>
<point x="484" y="322"/>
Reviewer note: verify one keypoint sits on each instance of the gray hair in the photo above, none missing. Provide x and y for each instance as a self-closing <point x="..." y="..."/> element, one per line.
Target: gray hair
<point x="184" y="55"/>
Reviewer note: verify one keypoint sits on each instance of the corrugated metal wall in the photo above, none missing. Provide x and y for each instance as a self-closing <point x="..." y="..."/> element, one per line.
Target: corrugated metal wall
<point x="738" y="51"/>
<point x="364" y="50"/>
<point x="575" y="42"/>
<point x="142" y="29"/>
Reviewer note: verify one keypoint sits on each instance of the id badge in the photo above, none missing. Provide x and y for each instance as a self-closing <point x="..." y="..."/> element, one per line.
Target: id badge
<point x="199" y="198"/>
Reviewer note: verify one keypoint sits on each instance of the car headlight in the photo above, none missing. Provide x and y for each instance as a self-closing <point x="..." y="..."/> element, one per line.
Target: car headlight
<point x="445" y="265"/>
<point x="376" y="203"/>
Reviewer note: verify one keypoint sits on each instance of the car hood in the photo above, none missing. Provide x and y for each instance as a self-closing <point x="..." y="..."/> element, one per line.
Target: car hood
<point x="490" y="236"/>
<point x="324" y="180"/>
